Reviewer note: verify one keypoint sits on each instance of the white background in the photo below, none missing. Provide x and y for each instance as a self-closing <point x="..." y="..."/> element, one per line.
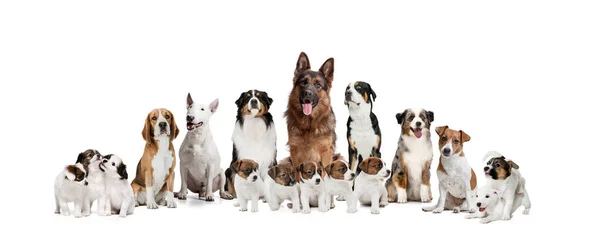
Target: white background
<point x="517" y="76"/>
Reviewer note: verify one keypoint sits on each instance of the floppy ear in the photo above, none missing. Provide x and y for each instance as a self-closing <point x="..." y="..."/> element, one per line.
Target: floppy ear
<point x="320" y="170"/>
<point x="272" y="172"/>
<point x="400" y="117"/>
<point x="300" y="167"/>
<point x="328" y="168"/>
<point x="364" y="165"/>
<point x="337" y="156"/>
<point x="122" y="171"/>
<point x="80" y="158"/>
<point x="235" y="166"/>
<point x="327" y="70"/>
<point x="174" y="128"/>
<point x="440" y="129"/>
<point x="147" y="132"/>
<point x="513" y="164"/>
<point x="372" y="92"/>
<point x="69" y="172"/>
<point x="429" y="116"/>
<point x="189" y="100"/>
<point x="238" y="102"/>
<point x="464" y="137"/>
<point x="214" y="105"/>
<point x="302" y="64"/>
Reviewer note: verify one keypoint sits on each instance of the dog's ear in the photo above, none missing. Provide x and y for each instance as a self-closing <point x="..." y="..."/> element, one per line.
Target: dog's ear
<point x="464" y="137"/>
<point x="214" y="105"/>
<point x="497" y="192"/>
<point x="328" y="168"/>
<point x="80" y="158"/>
<point x="174" y="128"/>
<point x="148" y="131"/>
<point x="273" y="172"/>
<point x="364" y="165"/>
<point x="429" y="115"/>
<point x="235" y="166"/>
<point x="302" y="64"/>
<point x="513" y="164"/>
<point x="189" y="100"/>
<point x="300" y="167"/>
<point x="440" y="129"/>
<point x="268" y="100"/>
<point x="320" y="170"/>
<point x="238" y="102"/>
<point x="122" y="171"/>
<point x="372" y="92"/>
<point x="70" y="172"/>
<point x="401" y="116"/>
<point x="327" y="70"/>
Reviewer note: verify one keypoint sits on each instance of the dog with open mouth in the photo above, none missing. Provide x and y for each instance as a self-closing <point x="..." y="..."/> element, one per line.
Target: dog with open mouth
<point x="200" y="161"/>
<point x="490" y="204"/>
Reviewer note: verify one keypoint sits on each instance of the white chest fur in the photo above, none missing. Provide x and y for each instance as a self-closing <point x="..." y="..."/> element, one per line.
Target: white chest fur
<point x="254" y="141"/>
<point x="246" y="189"/>
<point x="161" y="163"/>
<point x="420" y="151"/>
<point x="456" y="176"/>
<point x="361" y="132"/>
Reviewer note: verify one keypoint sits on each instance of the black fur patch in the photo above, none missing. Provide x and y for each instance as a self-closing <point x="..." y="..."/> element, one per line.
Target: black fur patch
<point x="122" y="171"/>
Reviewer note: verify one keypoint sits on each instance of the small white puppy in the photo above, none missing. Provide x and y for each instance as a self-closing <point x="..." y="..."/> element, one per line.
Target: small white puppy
<point x="91" y="160"/>
<point x="369" y="184"/>
<point x="491" y="205"/>
<point x="70" y="186"/>
<point x="338" y="182"/>
<point x="281" y="185"/>
<point x="247" y="183"/>
<point x="312" y="189"/>
<point x="119" y="194"/>
<point x="503" y="175"/>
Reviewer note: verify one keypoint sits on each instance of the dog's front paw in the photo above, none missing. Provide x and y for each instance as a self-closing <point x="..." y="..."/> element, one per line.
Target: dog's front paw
<point x="295" y="210"/>
<point x="88" y="213"/>
<point x="456" y="210"/>
<point x="243" y="209"/>
<point x="209" y="198"/>
<point x="485" y="220"/>
<point x="506" y="217"/>
<point x="402" y="196"/>
<point x="375" y="210"/>
<point x="323" y="209"/>
<point x="340" y="198"/>
<point x="429" y="208"/>
<point x="471" y="210"/>
<point x="171" y="204"/>
<point x="471" y="216"/>
<point x="306" y="210"/>
<point x="254" y="210"/>
<point x="274" y="207"/>
<point x="181" y="195"/>
<point x="225" y="195"/>
<point x="65" y="213"/>
<point x="78" y="215"/>
<point x="425" y="197"/>
<point x="151" y="205"/>
<point x="236" y="204"/>
<point x="351" y="210"/>
<point x="383" y="203"/>
<point x="526" y="211"/>
<point x="438" y="210"/>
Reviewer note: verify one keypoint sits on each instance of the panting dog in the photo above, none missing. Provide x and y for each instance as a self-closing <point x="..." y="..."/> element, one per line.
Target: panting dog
<point x="491" y="205"/>
<point x="154" y="177"/>
<point x="310" y="118"/>
<point x="254" y="135"/>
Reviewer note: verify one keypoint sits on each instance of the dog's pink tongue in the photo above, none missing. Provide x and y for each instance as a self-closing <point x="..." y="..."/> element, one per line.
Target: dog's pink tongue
<point x="418" y="133"/>
<point x="307" y="108"/>
<point x="481" y="209"/>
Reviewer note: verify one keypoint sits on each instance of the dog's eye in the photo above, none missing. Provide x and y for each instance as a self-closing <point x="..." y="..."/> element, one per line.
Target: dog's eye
<point x="378" y="166"/>
<point x="168" y="116"/>
<point x="248" y="170"/>
<point x="444" y="139"/>
<point x="113" y="164"/>
<point x="283" y="175"/>
<point x="343" y="169"/>
<point x="497" y="165"/>
<point x="318" y="85"/>
<point x="410" y="118"/>
<point x="455" y="141"/>
<point x="358" y="88"/>
<point x="487" y="196"/>
<point x="310" y="173"/>
<point x="154" y="118"/>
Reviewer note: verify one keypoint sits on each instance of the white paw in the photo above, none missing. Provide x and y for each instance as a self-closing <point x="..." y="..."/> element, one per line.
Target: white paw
<point x="375" y="210"/>
<point x="67" y="213"/>
<point x="340" y="198"/>
<point x="209" y="198"/>
<point x="123" y="215"/>
<point x="485" y="221"/>
<point x="456" y="210"/>
<point x="243" y="209"/>
<point x="87" y="213"/>
<point x="438" y="210"/>
<point x="295" y="210"/>
<point x="181" y="195"/>
<point x="332" y="206"/>
<point x="323" y="209"/>
<point x="102" y="213"/>
<point x="506" y="217"/>
<point x="236" y="204"/>
<point x="383" y="203"/>
<point x="351" y="210"/>
<point x="471" y="210"/>
<point x="171" y="204"/>
<point x="306" y="210"/>
<point x="274" y="208"/>
<point x="402" y="197"/>
<point x="225" y="195"/>
<point x="162" y="203"/>
<point x="425" y="194"/>
<point x="526" y="211"/>
<point x="78" y="215"/>
<point x="151" y="205"/>
<point x="471" y="216"/>
<point x="254" y="210"/>
<point x="428" y="208"/>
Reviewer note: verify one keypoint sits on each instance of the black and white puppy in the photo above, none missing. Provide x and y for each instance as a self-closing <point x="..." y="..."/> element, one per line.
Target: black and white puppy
<point x="119" y="194"/>
<point x="364" y="135"/>
<point x="70" y="186"/>
<point x="91" y="160"/>
<point x="254" y="135"/>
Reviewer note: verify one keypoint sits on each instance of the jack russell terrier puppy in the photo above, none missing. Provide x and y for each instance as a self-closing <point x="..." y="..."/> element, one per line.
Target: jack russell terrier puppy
<point x="119" y="195"/>
<point x="338" y="182"/>
<point x="282" y="185"/>
<point x="91" y="160"/>
<point x="312" y="190"/>
<point x="70" y="186"/>
<point x="504" y="176"/>
<point x="200" y="161"/>
<point x="155" y="173"/>
<point x="457" y="180"/>
<point x="248" y="184"/>
<point x="491" y="205"/>
<point x="369" y="184"/>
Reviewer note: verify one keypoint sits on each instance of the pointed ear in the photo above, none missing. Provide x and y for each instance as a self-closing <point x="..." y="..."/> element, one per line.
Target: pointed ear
<point x="328" y="168"/>
<point x="214" y="105"/>
<point x="327" y="70"/>
<point x="400" y="117"/>
<point x="122" y="171"/>
<point x="189" y="100"/>
<point x="440" y="129"/>
<point x="272" y="172"/>
<point x="302" y="64"/>
<point x="372" y="92"/>
<point x="513" y="164"/>
<point x="464" y="137"/>
<point x="364" y="165"/>
<point x="429" y="116"/>
<point x="148" y="131"/>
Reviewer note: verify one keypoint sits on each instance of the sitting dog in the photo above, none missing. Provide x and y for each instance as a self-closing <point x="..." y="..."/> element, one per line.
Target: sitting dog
<point x="281" y="185"/>
<point x="503" y="175"/>
<point x="312" y="190"/>
<point x="200" y="165"/>
<point x="91" y="160"/>
<point x="338" y="182"/>
<point x="491" y="205"/>
<point x="248" y="184"/>
<point x="457" y="180"/>
<point x="254" y="135"/>
<point x="154" y="176"/>
<point x="119" y="195"/>
<point x="70" y="186"/>
<point x="369" y="187"/>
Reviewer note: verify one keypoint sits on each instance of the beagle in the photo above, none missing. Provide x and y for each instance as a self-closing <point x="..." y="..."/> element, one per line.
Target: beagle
<point x="153" y="182"/>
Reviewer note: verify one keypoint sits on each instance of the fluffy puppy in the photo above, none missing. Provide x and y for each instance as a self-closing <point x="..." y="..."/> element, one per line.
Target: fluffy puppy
<point x="369" y="187"/>
<point x="338" y="182"/>
<point x="410" y="180"/>
<point x="491" y="205"/>
<point x="119" y="195"/>
<point x="503" y="175"/>
<point x="312" y="188"/>
<point x="282" y="185"/>
<point x="248" y="184"/>
<point x="91" y="160"/>
<point x="70" y="186"/>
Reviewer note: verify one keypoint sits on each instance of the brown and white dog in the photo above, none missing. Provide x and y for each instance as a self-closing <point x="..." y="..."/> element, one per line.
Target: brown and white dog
<point x="310" y="177"/>
<point x="281" y="185"/>
<point x="310" y="118"/>
<point x="369" y="186"/>
<point x="153" y="182"/>
<point x="412" y="162"/>
<point x="457" y="180"/>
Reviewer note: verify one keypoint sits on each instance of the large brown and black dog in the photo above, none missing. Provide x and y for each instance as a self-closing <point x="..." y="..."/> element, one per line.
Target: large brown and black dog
<point x="310" y="118"/>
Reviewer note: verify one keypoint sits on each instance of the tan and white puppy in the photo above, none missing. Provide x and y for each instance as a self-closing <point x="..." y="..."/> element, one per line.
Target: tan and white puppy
<point x="491" y="205"/>
<point x="457" y="180"/>
<point x="119" y="195"/>
<point x="311" y="185"/>
<point x="281" y="185"/>
<point x="154" y="176"/>
<point x="503" y="175"/>
<point x="338" y="182"/>
<point x="369" y="184"/>
<point x="247" y="183"/>
<point x="70" y="186"/>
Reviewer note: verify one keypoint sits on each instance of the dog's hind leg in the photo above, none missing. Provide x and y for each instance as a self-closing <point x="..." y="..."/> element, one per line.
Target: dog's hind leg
<point x="220" y="184"/>
<point x="57" y="209"/>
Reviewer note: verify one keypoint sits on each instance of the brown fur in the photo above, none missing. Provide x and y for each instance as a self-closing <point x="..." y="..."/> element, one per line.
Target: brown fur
<point x="283" y="173"/>
<point x="143" y="177"/>
<point x="399" y="179"/>
<point x="505" y="166"/>
<point x="311" y="137"/>
<point x="336" y="169"/>
<point x="244" y="167"/>
<point x="78" y="173"/>
<point x="458" y="138"/>
<point x="307" y="170"/>
<point x="85" y="158"/>
<point x="371" y="165"/>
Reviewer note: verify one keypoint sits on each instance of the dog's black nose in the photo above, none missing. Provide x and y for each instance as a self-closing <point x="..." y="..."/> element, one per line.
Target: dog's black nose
<point x="318" y="180"/>
<point x="348" y="95"/>
<point x="189" y="118"/>
<point x="418" y="123"/>
<point x="162" y="125"/>
<point x="85" y="183"/>
<point x="446" y="151"/>
<point x="254" y="177"/>
<point x="352" y="175"/>
<point x="307" y="93"/>
<point x="478" y="204"/>
<point x="486" y="168"/>
<point x="254" y="102"/>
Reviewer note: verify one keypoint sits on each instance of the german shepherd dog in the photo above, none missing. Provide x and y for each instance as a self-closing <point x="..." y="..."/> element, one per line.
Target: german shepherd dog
<point x="310" y="118"/>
